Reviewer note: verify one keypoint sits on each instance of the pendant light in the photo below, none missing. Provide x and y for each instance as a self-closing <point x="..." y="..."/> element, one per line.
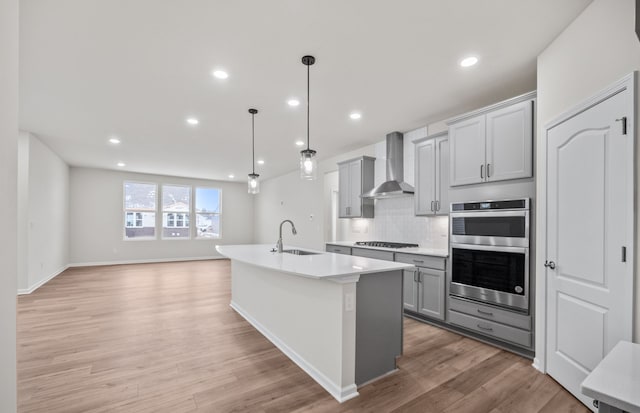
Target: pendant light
<point x="253" y="184"/>
<point x="308" y="162"/>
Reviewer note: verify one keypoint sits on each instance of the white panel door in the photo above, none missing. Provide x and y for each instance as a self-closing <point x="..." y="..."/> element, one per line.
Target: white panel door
<point x="425" y="171"/>
<point x="589" y="215"/>
<point x="355" y="188"/>
<point x="442" y="175"/>
<point x="510" y="142"/>
<point x="467" y="145"/>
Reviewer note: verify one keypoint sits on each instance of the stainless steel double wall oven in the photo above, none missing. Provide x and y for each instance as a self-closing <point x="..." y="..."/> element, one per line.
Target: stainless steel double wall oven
<point x="490" y="252"/>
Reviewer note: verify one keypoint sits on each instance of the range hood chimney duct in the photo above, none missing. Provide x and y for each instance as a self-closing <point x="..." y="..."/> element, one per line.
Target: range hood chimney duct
<point x="394" y="186"/>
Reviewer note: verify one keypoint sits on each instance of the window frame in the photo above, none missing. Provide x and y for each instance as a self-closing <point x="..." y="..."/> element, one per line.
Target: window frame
<point x="195" y="218"/>
<point x="175" y="213"/>
<point x="125" y="211"/>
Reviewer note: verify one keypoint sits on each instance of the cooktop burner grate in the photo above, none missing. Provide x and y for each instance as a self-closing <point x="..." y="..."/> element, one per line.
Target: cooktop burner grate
<point x="384" y="244"/>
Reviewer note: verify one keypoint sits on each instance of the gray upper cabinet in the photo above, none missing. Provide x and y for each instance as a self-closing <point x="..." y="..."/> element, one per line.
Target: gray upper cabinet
<point x="432" y="175"/>
<point x="355" y="177"/>
<point x="494" y="143"/>
<point x="467" y="143"/>
<point x="510" y="143"/>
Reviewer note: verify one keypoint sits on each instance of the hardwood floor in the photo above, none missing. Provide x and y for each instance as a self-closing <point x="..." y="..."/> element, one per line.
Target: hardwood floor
<point x="162" y="338"/>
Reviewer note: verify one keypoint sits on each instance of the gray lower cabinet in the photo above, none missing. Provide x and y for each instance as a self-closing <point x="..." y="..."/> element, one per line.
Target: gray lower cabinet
<point x="375" y="254"/>
<point x="424" y="288"/>
<point x="410" y="289"/>
<point x="338" y="249"/>
<point x="431" y="293"/>
<point x="498" y="323"/>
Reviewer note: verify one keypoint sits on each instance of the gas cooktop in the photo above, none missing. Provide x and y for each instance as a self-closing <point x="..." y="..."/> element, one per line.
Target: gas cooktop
<point x="384" y="244"/>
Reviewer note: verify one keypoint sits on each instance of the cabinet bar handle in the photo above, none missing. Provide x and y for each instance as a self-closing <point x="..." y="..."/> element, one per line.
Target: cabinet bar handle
<point x="485" y="328"/>
<point x="437" y="205"/>
<point x="418" y="261"/>
<point x="488" y="170"/>
<point x="431" y="206"/>
<point x="484" y="312"/>
<point x="481" y="171"/>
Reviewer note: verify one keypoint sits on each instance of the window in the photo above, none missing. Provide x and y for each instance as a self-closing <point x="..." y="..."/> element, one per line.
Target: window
<point x="208" y="213"/>
<point x="176" y="204"/>
<point x="139" y="210"/>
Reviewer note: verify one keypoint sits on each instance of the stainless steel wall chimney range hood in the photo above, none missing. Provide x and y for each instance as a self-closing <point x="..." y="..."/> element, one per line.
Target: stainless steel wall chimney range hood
<point x="394" y="185"/>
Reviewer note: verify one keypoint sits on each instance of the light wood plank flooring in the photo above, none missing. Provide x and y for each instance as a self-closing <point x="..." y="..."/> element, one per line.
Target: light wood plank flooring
<point x="162" y="338"/>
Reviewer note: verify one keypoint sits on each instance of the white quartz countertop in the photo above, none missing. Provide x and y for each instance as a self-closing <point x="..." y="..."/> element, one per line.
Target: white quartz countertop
<point x="412" y="250"/>
<point x="322" y="265"/>
<point x="616" y="380"/>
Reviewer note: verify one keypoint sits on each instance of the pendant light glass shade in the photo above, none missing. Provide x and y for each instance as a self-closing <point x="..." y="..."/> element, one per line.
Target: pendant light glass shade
<point x="308" y="162"/>
<point x="253" y="184"/>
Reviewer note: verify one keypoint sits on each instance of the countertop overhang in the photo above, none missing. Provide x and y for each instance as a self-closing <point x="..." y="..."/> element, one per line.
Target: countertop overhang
<point x="323" y="265"/>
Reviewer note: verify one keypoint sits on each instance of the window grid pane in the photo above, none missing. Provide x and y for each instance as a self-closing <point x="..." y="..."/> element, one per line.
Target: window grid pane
<point x="140" y="210"/>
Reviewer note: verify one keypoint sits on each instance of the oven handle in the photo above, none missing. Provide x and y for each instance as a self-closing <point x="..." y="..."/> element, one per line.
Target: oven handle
<point x="490" y="214"/>
<point x="520" y="250"/>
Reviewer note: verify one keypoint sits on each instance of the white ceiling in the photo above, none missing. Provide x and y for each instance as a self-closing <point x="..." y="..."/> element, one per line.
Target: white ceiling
<point x="91" y="69"/>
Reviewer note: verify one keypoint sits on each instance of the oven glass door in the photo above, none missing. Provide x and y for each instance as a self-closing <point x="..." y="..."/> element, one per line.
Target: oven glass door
<point x="504" y="271"/>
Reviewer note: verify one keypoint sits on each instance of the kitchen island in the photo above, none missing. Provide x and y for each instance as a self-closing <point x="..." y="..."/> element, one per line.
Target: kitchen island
<point x="338" y="317"/>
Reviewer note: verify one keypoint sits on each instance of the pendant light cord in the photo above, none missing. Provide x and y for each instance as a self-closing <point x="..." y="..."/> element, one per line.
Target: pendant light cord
<point x="253" y="144"/>
<point x="308" y="107"/>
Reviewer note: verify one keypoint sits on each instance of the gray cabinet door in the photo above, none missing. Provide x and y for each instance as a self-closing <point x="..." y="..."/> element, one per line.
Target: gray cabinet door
<point x="431" y="293"/>
<point x="343" y="190"/>
<point x="510" y="142"/>
<point x="355" y="188"/>
<point x="442" y="176"/>
<point x="410" y="290"/>
<point x="425" y="178"/>
<point x="467" y="145"/>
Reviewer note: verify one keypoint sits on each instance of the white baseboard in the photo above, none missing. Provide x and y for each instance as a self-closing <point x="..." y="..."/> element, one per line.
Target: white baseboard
<point x="24" y="291"/>
<point x="341" y="394"/>
<point x="537" y="365"/>
<point x="147" y="261"/>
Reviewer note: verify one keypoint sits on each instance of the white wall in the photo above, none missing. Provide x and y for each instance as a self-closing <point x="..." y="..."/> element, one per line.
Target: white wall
<point x="597" y="49"/>
<point x="8" y="206"/>
<point x="96" y="220"/>
<point x="303" y="202"/>
<point x="43" y="217"/>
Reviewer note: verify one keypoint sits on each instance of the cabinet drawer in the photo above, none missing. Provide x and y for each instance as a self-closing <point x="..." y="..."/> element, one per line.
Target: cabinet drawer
<point x="492" y="329"/>
<point x="490" y="313"/>
<point x="428" y="261"/>
<point x="377" y="254"/>
<point x="338" y="249"/>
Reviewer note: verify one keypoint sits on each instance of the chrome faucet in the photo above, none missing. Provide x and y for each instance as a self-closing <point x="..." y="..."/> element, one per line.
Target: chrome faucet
<point x="293" y="230"/>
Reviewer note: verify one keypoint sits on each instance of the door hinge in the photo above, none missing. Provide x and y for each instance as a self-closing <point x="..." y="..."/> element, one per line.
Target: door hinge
<point x="624" y="124"/>
<point x="624" y="254"/>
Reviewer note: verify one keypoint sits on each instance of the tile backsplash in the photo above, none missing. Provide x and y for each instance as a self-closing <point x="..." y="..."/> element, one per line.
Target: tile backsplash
<point x="395" y="221"/>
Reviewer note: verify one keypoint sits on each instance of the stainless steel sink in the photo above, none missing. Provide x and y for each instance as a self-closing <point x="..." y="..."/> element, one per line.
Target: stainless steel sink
<point x="301" y="252"/>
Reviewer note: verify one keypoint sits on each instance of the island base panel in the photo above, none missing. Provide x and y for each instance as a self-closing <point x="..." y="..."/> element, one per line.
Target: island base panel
<point x="378" y="325"/>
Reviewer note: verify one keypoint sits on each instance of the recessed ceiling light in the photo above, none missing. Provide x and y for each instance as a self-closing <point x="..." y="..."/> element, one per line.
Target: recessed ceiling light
<point x="468" y="61"/>
<point x="355" y="115"/>
<point x="260" y="162"/>
<point x="220" y="74"/>
<point x="192" y="121"/>
<point x="114" y="141"/>
<point x="293" y="102"/>
<point x="231" y="176"/>
<point x="121" y="164"/>
<point x="299" y="143"/>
